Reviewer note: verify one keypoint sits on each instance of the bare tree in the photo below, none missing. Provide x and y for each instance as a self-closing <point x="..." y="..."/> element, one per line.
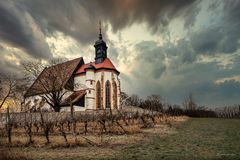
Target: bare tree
<point x="51" y="83"/>
<point x="153" y="102"/>
<point x="134" y="100"/>
<point x="189" y="103"/>
<point x="228" y="111"/>
<point x="28" y="125"/>
<point x="7" y="88"/>
<point x="123" y="99"/>
<point x="33" y="69"/>
<point x="46" y="126"/>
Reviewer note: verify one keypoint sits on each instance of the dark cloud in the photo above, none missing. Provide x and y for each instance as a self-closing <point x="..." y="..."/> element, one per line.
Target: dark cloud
<point x="199" y="79"/>
<point x="150" y="60"/>
<point x="182" y="74"/>
<point x="231" y="23"/>
<point x="10" y="61"/>
<point x="190" y="15"/>
<point x="79" y="18"/>
<point x="16" y="29"/>
<point x="153" y="59"/>
<point x="69" y="17"/>
<point x="222" y="37"/>
<point x="223" y="95"/>
<point x="180" y="53"/>
<point x="7" y="67"/>
<point x="170" y="69"/>
<point x="207" y="40"/>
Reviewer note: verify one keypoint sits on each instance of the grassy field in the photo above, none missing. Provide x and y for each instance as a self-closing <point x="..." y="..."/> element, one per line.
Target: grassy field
<point x="196" y="138"/>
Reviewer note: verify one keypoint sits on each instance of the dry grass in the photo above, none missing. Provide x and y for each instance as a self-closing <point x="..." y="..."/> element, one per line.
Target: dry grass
<point x="93" y="144"/>
<point x="197" y="138"/>
<point x="10" y="154"/>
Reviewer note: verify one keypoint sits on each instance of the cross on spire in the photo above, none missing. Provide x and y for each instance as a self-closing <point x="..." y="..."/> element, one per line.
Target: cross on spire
<point x="100" y="30"/>
<point x="100" y="27"/>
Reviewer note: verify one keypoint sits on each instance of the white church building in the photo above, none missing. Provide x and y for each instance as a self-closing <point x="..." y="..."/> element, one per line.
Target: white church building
<point x="90" y="86"/>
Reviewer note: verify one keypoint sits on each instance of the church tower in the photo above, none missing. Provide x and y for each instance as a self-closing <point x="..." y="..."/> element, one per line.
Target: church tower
<point x="100" y="48"/>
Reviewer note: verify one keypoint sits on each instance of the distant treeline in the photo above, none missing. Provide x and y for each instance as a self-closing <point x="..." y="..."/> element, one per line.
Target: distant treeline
<point x="188" y="108"/>
<point x="225" y="112"/>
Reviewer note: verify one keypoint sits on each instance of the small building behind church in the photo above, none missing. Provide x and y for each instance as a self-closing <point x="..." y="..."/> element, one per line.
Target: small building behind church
<point x="88" y="86"/>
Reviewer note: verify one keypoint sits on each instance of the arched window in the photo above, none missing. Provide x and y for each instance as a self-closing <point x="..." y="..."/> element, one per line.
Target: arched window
<point x="114" y="95"/>
<point x="108" y="94"/>
<point x="98" y="95"/>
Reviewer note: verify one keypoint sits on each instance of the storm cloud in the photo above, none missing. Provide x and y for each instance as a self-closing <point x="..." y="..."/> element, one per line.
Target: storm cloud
<point x="192" y="44"/>
<point x="222" y="37"/>
<point x="79" y="18"/>
<point x="18" y="29"/>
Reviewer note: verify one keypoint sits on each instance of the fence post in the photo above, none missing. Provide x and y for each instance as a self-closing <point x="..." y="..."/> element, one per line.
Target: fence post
<point x="73" y="122"/>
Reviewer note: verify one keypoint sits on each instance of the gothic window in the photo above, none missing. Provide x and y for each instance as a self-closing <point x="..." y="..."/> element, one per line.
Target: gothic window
<point x="114" y="95"/>
<point x="98" y="95"/>
<point x="108" y="94"/>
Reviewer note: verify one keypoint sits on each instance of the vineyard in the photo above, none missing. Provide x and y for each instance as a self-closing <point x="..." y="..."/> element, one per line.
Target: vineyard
<point x="74" y="125"/>
<point x="125" y="134"/>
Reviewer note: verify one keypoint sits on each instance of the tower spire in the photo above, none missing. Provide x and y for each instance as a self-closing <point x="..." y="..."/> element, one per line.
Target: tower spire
<point x="100" y="30"/>
<point x="100" y="47"/>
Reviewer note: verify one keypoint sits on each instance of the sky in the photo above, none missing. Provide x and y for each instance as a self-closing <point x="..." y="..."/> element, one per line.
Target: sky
<point x="166" y="47"/>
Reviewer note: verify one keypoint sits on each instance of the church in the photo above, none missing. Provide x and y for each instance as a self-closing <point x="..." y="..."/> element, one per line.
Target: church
<point x="90" y="86"/>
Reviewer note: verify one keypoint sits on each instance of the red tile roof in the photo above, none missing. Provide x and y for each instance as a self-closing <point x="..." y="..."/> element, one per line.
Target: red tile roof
<point x="106" y="64"/>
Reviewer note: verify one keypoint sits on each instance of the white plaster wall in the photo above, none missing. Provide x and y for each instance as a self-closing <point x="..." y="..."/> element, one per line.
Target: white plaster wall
<point x="90" y="96"/>
<point x="80" y="82"/>
<point x="108" y="76"/>
<point x="32" y="101"/>
<point x="76" y="108"/>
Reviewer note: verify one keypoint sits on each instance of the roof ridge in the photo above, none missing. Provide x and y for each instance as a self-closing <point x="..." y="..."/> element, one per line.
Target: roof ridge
<point x="65" y="62"/>
<point x="74" y="64"/>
